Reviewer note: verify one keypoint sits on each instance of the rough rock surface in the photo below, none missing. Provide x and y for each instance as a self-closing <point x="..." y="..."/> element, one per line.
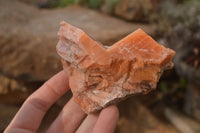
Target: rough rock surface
<point x="99" y="76"/>
<point x="28" y="37"/>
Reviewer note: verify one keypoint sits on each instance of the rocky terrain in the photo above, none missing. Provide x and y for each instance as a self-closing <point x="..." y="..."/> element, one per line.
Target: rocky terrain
<point x="28" y="57"/>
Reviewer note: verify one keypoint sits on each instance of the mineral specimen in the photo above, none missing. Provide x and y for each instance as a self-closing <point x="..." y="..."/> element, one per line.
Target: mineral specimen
<point x="100" y="76"/>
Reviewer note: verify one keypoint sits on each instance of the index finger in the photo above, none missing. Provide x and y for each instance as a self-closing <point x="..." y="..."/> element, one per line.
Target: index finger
<point x="34" y="108"/>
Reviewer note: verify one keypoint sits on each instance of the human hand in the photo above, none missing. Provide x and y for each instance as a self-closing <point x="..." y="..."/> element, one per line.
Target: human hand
<point x="70" y="119"/>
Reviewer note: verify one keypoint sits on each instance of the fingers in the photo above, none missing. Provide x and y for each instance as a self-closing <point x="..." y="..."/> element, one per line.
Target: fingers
<point x="107" y="120"/>
<point x="34" y="108"/>
<point x="71" y="116"/>
<point x="68" y="120"/>
<point x="88" y="124"/>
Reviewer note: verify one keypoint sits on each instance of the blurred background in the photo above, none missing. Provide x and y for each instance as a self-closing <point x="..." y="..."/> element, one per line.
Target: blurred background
<point x="28" y="37"/>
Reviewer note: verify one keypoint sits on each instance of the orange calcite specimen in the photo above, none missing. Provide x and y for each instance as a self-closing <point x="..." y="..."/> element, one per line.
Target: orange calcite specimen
<point x="100" y="76"/>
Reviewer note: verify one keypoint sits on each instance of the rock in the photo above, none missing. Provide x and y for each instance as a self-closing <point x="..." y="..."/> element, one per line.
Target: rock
<point x="27" y="49"/>
<point x="136" y="10"/>
<point x="28" y="37"/>
<point x="99" y="76"/>
<point x="9" y="85"/>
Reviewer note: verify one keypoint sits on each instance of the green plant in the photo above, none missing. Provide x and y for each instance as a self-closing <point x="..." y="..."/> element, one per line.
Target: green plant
<point x="110" y="5"/>
<point x="182" y="83"/>
<point x="164" y="87"/>
<point x="94" y="3"/>
<point x="182" y="1"/>
<point x="63" y="3"/>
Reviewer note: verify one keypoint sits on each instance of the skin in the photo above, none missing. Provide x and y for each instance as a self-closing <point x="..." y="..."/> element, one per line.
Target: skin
<point x="71" y="118"/>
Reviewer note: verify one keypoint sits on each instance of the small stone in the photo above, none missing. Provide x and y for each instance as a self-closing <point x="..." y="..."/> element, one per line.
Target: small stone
<point x="99" y="77"/>
<point x="8" y="85"/>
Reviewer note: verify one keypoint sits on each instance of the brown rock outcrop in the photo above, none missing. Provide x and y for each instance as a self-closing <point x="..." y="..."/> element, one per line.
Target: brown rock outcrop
<point x="27" y="50"/>
<point x="136" y="10"/>
<point x="99" y="76"/>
